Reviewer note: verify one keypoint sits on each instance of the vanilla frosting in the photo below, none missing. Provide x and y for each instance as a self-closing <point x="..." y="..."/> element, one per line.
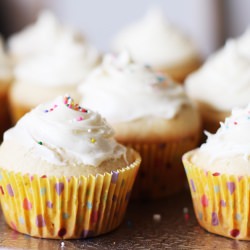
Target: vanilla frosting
<point x="228" y="150"/>
<point x="64" y="134"/>
<point x="40" y="37"/>
<point x="155" y="41"/>
<point x="122" y="90"/>
<point x="223" y="82"/>
<point x="5" y="66"/>
<point x="67" y="64"/>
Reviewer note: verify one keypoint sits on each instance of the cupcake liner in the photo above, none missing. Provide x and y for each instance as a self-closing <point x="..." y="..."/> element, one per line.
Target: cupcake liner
<point x="221" y="201"/>
<point x="161" y="173"/>
<point x="66" y="207"/>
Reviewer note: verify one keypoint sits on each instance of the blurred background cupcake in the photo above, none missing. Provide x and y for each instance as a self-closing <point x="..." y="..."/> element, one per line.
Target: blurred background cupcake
<point x="80" y="177"/>
<point x="6" y="78"/>
<point x="40" y="37"/>
<point x="219" y="177"/>
<point x="47" y="75"/>
<point x="55" y="66"/>
<point x="158" y="43"/>
<point x="223" y="82"/>
<point x="148" y="112"/>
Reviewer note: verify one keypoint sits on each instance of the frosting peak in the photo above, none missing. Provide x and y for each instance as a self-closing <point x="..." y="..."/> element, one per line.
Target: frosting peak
<point x="122" y="90"/>
<point x="155" y="41"/>
<point x="64" y="133"/>
<point x="232" y="138"/>
<point x="41" y="37"/>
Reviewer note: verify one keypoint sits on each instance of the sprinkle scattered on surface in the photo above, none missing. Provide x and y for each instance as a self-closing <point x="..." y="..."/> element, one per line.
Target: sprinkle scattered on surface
<point x="157" y="217"/>
<point x="186" y="213"/>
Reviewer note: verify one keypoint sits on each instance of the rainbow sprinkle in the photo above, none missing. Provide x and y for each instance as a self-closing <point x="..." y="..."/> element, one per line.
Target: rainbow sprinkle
<point x="69" y="102"/>
<point x="161" y="78"/>
<point x="80" y="118"/>
<point x="93" y="140"/>
<point x="51" y="109"/>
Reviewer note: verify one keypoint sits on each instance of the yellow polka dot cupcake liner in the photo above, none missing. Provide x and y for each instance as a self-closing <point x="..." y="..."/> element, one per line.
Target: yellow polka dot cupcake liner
<point x="161" y="173"/>
<point x="66" y="207"/>
<point x="221" y="202"/>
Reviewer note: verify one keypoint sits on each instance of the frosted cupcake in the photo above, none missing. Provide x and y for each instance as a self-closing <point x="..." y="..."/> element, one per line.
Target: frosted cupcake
<point x="219" y="177"/>
<point x="156" y="42"/>
<point x="149" y="113"/>
<point x="40" y="37"/>
<point x="5" y="81"/>
<point x="223" y="82"/>
<point x="43" y="77"/>
<point x="69" y="177"/>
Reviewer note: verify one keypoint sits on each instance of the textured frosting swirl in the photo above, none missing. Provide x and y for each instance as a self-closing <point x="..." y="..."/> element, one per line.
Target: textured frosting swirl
<point x="67" y="64"/>
<point x="232" y="138"/>
<point x="122" y="90"/>
<point x="155" y="41"/>
<point x="5" y="66"/>
<point x="223" y="82"/>
<point x="228" y="150"/>
<point x="63" y="133"/>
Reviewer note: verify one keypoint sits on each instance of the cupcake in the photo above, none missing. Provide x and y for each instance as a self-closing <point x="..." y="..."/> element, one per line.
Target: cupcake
<point x="40" y="37"/>
<point x="5" y="81"/>
<point x="218" y="174"/>
<point x="45" y="76"/>
<point x="148" y="112"/>
<point x="157" y="42"/>
<point x="223" y="82"/>
<point x="69" y="177"/>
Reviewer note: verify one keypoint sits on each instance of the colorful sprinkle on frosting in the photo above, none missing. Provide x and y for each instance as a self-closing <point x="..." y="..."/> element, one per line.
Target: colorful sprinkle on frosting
<point x="51" y="109"/>
<point x="69" y="102"/>
<point x="232" y="138"/>
<point x="93" y="140"/>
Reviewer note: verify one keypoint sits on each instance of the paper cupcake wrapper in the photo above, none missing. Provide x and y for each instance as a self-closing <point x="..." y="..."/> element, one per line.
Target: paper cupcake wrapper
<point x="221" y="202"/>
<point x="68" y="208"/>
<point x="161" y="173"/>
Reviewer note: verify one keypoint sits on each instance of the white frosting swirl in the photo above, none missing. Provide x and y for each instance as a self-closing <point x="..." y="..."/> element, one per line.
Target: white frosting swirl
<point x="232" y="138"/>
<point x="67" y="64"/>
<point x="156" y="42"/>
<point x="223" y="82"/>
<point x="5" y="66"/>
<point x="122" y="90"/>
<point x="65" y="135"/>
<point x="228" y="150"/>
